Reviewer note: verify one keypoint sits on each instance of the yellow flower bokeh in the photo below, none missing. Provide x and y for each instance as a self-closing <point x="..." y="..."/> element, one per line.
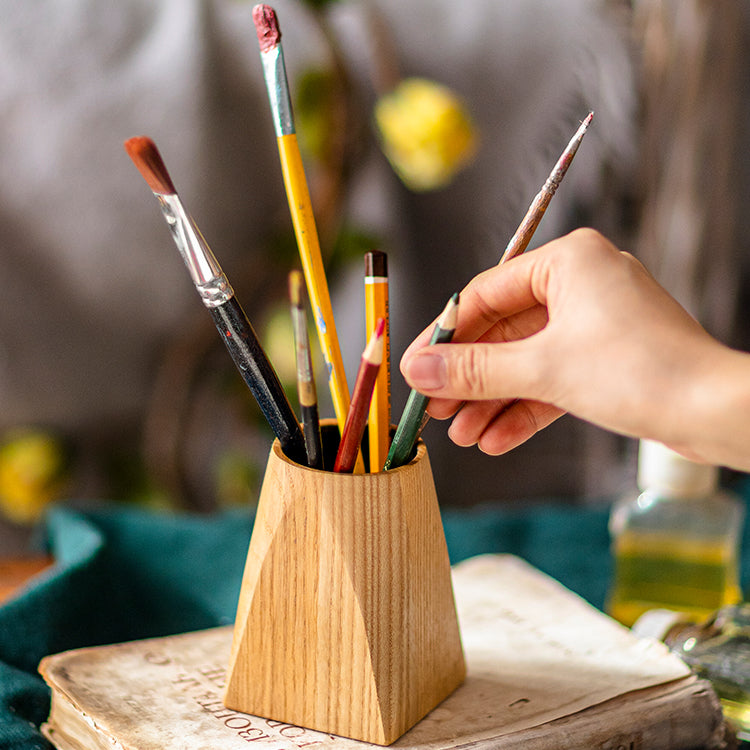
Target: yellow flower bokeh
<point x="32" y="474"/>
<point x="426" y="133"/>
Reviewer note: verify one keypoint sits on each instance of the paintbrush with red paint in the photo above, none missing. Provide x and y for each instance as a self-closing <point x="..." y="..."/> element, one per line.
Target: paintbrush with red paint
<point x="218" y="296"/>
<point x="356" y="419"/>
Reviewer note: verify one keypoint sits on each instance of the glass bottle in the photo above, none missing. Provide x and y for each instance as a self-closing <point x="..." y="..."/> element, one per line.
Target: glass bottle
<point x="718" y="649"/>
<point x="674" y="545"/>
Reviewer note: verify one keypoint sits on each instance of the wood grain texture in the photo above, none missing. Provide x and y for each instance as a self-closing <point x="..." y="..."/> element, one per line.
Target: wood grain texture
<point x="346" y="621"/>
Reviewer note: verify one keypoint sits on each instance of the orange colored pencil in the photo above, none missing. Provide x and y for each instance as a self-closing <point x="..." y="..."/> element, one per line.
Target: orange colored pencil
<point x="376" y="307"/>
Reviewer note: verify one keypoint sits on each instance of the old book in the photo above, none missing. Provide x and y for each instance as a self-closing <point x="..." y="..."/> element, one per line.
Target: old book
<point x="545" y="670"/>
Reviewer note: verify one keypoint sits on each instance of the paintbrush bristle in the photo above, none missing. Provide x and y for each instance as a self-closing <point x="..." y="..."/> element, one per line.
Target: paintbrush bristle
<point x="142" y="150"/>
<point x="267" y="26"/>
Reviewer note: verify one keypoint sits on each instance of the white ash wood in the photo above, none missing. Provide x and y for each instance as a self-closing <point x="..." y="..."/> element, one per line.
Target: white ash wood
<point x="346" y="621"/>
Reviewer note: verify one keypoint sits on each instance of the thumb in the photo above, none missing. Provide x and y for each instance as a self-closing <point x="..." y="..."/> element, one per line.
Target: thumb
<point x="474" y="372"/>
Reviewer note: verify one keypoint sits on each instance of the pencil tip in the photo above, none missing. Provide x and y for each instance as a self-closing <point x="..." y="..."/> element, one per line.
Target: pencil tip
<point x="267" y="27"/>
<point x="449" y="317"/>
<point x="373" y="352"/>
<point x="146" y="157"/>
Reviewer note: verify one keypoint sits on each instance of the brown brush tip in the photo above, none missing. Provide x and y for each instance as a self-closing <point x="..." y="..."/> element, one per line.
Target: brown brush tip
<point x="267" y="26"/>
<point x="142" y="150"/>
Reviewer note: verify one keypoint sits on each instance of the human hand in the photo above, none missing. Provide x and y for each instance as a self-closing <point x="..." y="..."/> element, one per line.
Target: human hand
<point x="575" y="326"/>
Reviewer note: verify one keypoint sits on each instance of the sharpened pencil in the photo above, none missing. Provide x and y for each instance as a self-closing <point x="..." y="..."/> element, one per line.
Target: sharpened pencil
<point x="356" y="421"/>
<point x="218" y="296"/>
<point x="376" y="307"/>
<point x="412" y="418"/>
<point x="308" y="397"/>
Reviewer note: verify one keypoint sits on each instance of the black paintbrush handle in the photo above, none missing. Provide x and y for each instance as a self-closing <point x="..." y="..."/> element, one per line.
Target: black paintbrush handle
<point x="311" y="429"/>
<point x="261" y="378"/>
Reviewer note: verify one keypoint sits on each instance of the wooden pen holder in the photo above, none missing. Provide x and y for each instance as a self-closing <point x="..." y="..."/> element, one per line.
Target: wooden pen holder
<point x="346" y="621"/>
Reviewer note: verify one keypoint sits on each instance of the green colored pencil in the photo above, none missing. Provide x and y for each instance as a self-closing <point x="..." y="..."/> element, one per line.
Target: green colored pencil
<point x="413" y="415"/>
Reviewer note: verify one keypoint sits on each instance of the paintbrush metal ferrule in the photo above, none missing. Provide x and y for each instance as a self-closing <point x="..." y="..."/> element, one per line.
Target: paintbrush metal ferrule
<point x="274" y="73"/>
<point x="206" y="273"/>
<point x="305" y="377"/>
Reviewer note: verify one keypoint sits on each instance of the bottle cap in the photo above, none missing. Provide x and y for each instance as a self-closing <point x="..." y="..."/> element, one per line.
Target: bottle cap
<point x="664" y="471"/>
<point x="656" y="623"/>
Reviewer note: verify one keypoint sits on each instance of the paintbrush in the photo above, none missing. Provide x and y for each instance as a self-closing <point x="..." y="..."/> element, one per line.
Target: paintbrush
<point x="413" y="418"/>
<point x="523" y="234"/>
<point x="308" y="397"/>
<point x="300" y="206"/>
<point x="356" y="420"/>
<point x="520" y="240"/>
<point x="218" y="297"/>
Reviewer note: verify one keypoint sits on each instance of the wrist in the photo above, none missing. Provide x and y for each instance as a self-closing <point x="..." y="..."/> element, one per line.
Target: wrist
<point x="713" y="424"/>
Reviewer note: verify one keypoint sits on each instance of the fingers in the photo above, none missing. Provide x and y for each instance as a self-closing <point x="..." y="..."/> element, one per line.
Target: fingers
<point x="473" y="418"/>
<point x="511" y="328"/>
<point x="515" y="425"/>
<point x="497" y="300"/>
<point x="482" y="371"/>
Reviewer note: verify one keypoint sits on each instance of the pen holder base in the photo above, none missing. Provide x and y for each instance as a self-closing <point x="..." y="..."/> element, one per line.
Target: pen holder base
<point x="346" y="621"/>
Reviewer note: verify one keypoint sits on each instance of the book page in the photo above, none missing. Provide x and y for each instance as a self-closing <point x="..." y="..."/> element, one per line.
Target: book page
<point x="535" y="652"/>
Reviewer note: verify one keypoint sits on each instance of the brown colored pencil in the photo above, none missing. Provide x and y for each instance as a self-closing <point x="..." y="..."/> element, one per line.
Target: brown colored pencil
<point x="356" y="419"/>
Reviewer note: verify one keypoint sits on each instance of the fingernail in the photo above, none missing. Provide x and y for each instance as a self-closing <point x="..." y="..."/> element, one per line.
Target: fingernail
<point x="426" y="371"/>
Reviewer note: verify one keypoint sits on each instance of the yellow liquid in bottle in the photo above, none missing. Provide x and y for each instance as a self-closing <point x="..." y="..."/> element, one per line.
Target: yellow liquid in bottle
<point x="737" y="713"/>
<point x="655" y="570"/>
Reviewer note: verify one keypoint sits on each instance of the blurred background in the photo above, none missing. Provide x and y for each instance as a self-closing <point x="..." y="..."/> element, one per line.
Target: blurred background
<point x="113" y="382"/>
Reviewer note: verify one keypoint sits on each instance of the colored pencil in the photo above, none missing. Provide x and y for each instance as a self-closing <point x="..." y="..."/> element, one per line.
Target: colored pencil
<point x="412" y="418"/>
<point x="308" y="397"/>
<point x="520" y="240"/>
<point x="300" y="206"/>
<point x="376" y="307"/>
<point x="218" y="296"/>
<point x="356" y="420"/>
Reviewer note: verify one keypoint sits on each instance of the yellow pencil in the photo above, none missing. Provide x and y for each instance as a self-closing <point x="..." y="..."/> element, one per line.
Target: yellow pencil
<point x="376" y="307"/>
<point x="300" y="206"/>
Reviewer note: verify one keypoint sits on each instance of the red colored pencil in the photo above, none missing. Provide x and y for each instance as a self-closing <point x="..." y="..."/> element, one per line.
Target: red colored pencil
<point x="356" y="418"/>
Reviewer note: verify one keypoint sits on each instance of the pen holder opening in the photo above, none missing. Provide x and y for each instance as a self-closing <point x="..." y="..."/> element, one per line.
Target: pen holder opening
<point x="346" y="621"/>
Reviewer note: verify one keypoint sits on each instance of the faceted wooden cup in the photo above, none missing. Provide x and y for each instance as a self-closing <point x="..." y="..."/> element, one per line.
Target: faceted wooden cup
<point x="346" y="621"/>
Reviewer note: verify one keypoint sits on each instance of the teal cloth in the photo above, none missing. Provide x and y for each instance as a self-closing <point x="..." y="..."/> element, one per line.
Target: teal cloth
<point x="122" y="574"/>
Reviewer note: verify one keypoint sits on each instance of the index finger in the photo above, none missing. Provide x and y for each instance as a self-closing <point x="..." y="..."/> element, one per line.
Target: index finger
<point x="499" y="292"/>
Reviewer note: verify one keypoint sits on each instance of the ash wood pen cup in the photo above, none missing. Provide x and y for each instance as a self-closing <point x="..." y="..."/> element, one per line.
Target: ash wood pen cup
<point x="346" y="621"/>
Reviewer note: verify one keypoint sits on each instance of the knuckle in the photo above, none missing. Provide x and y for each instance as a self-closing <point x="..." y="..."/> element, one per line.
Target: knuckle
<point x="470" y="375"/>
